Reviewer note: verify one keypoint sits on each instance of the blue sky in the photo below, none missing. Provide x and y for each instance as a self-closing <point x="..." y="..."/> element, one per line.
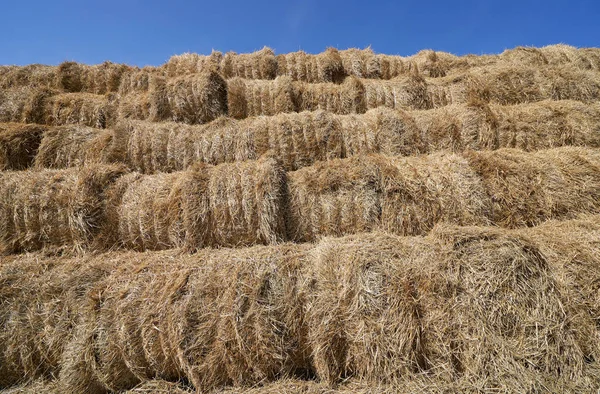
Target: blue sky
<point x="149" y="32"/>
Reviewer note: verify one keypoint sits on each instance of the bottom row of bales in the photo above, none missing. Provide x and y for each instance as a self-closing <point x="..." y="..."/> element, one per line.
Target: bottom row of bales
<point x="469" y="308"/>
<point x="257" y="202"/>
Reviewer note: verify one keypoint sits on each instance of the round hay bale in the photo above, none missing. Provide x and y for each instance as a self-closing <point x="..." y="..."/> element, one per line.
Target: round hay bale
<point x="19" y="145"/>
<point x="194" y="99"/>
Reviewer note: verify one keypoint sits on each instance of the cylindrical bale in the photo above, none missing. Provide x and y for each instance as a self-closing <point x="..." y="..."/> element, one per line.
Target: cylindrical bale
<point x="19" y="145"/>
<point x="73" y="146"/>
<point x="526" y="189"/>
<point x="53" y="208"/>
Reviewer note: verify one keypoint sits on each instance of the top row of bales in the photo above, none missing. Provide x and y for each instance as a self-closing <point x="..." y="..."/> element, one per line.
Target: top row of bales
<point x="329" y="66"/>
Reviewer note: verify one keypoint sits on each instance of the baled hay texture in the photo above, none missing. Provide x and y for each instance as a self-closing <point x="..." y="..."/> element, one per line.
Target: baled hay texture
<point x="142" y="95"/>
<point x="573" y="252"/>
<point x="137" y="80"/>
<point x="345" y="98"/>
<point x="103" y="78"/>
<point x="19" y="145"/>
<point x="73" y="146"/>
<point x="198" y="98"/>
<point x="334" y="198"/>
<point x="231" y="204"/>
<point x="381" y="130"/>
<point x="300" y="66"/>
<point x="238" y="320"/>
<point x="409" y="92"/>
<point x="53" y="208"/>
<point x="548" y="124"/>
<point x="526" y="189"/>
<point x="44" y="310"/>
<point x="437" y="64"/>
<point x="508" y="84"/>
<point x="247" y="98"/>
<point x="361" y="63"/>
<point x="33" y="75"/>
<point x="481" y="308"/>
<point x="190" y="63"/>
<point x="257" y="65"/>
<point x="13" y="103"/>
<point x="160" y="387"/>
<point x="46" y="107"/>
<point x="419" y="192"/>
<point x="459" y="127"/>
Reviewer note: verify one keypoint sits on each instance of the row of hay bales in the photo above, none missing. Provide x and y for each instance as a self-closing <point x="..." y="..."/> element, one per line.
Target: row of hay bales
<point x="464" y="309"/>
<point x="298" y="140"/>
<point x="257" y="202"/>
<point x="202" y="97"/>
<point x="330" y="66"/>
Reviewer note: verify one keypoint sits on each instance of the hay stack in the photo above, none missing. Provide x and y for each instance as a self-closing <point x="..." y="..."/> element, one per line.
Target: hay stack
<point x="135" y="100"/>
<point x="53" y="208"/>
<point x="19" y="145"/>
<point x="361" y="63"/>
<point x="527" y="189"/>
<point x="191" y="63"/>
<point x="13" y="103"/>
<point x="257" y="65"/>
<point x="346" y="98"/>
<point x="253" y="97"/>
<point x="73" y="146"/>
<point x="227" y="205"/>
<point x="300" y="66"/>
<point x="33" y="76"/>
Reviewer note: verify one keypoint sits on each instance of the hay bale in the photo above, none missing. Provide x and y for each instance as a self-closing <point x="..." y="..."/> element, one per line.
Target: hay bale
<point x="13" y="103"/>
<point x="257" y="65"/>
<point x="73" y="146"/>
<point x="53" y="208"/>
<point x="449" y="307"/>
<point x="548" y="124"/>
<point x="33" y="76"/>
<point x="459" y="127"/>
<point x="300" y="66"/>
<point x="227" y="205"/>
<point x="361" y="63"/>
<point x="419" y="192"/>
<point x="255" y="97"/>
<point x="190" y="99"/>
<point x="407" y="92"/>
<point x="381" y="130"/>
<point x="51" y="108"/>
<point x="190" y="63"/>
<point x="19" y="145"/>
<point x="334" y="198"/>
<point x="527" y="189"/>
<point x="103" y="78"/>
<point x="347" y="98"/>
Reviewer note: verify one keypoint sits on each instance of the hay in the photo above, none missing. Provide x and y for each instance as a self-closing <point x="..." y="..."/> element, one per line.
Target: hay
<point x="346" y="98"/>
<point x="410" y="92"/>
<point x="300" y="66"/>
<point x="53" y="208"/>
<point x="334" y="198"/>
<point x="228" y="205"/>
<point x="19" y="145"/>
<point x="527" y="189"/>
<point x="73" y="146"/>
<point x="254" y="97"/>
<point x="190" y="63"/>
<point x="33" y="76"/>
<point x="13" y="103"/>
<point x="48" y="107"/>
<point x="99" y="79"/>
<point x="257" y="65"/>
<point x="381" y="130"/>
<point x="548" y="124"/>
<point x="361" y="63"/>
<point x="193" y="99"/>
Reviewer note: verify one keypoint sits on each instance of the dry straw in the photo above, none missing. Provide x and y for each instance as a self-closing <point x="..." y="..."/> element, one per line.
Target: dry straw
<point x="99" y="79"/>
<point x="257" y="65"/>
<point x="227" y="205"/>
<point x="73" y="146"/>
<point x="190" y="63"/>
<point x="53" y="208"/>
<point x="19" y="145"/>
<point x="463" y="309"/>
<point x="300" y="66"/>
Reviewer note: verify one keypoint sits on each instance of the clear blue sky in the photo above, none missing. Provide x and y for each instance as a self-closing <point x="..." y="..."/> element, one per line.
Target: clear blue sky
<point x="144" y="32"/>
